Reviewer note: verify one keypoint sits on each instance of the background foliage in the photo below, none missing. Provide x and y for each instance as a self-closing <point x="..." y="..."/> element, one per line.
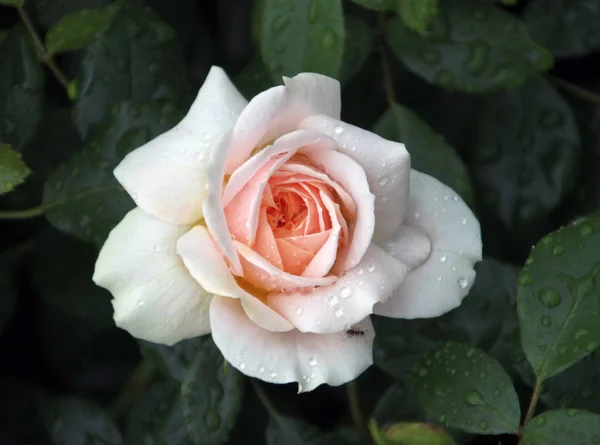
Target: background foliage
<point x="498" y="99"/>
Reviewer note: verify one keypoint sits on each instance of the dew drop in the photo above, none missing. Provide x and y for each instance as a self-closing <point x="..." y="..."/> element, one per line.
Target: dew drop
<point x="312" y="361"/>
<point x="261" y="370"/>
<point x="586" y="230"/>
<point x="417" y="215"/>
<point x="345" y="292"/>
<point x="541" y="421"/>
<point x="455" y="198"/>
<point x="383" y="181"/>
<point x="443" y="258"/>
<point x="473" y="398"/>
<point x="333" y="300"/>
<point x="242" y="366"/>
<point x="371" y="268"/>
<point x="462" y="282"/>
<point x="338" y="129"/>
<point x="546" y="321"/>
<point x="483" y="425"/>
<point x="298" y="310"/>
<point x="558" y="249"/>
<point x="438" y="279"/>
<point x="140" y="303"/>
<point x="273" y="374"/>
<point x="581" y="332"/>
<point x="339" y="312"/>
<point x="360" y="271"/>
<point x="525" y="279"/>
<point x="549" y="298"/>
<point x="464" y="221"/>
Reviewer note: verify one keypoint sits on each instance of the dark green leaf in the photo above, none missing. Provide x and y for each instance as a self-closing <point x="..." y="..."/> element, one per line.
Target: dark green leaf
<point x="8" y="299"/>
<point x="65" y="280"/>
<point x="75" y="421"/>
<point x="21" y="88"/>
<point x="211" y="396"/>
<point x="135" y="57"/>
<point x="302" y="36"/>
<point x="290" y="431"/>
<point x="82" y="197"/>
<point x="417" y="14"/>
<point x="464" y="388"/>
<point x="577" y="387"/>
<point x="570" y="426"/>
<point x="174" y="361"/>
<point x="470" y="46"/>
<point x="527" y="155"/>
<point x="13" y="170"/>
<point x="410" y="434"/>
<point x="429" y="151"/>
<point x="558" y="302"/>
<point x="48" y="12"/>
<point x="157" y="418"/>
<point x="78" y="29"/>
<point x="377" y="5"/>
<point x="253" y="79"/>
<point x="357" y="46"/>
<point x="565" y="27"/>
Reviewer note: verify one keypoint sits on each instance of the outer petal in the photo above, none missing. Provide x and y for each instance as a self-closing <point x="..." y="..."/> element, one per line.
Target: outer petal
<point x="167" y="176"/>
<point x="278" y="110"/>
<point x="283" y="357"/>
<point x="386" y="163"/>
<point x="154" y="296"/>
<point x="445" y="278"/>
<point x="207" y="266"/>
<point x="334" y="308"/>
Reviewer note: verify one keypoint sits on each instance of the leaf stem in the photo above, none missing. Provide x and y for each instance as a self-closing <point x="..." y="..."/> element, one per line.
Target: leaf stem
<point x="355" y="411"/>
<point x="388" y="85"/>
<point x="45" y="56"/>
<point x="138" y="382"/>
<point x="535" y="397"/>
<point x="262" y="396"/>
<point x="576" y="90"/>
<point x="22" y="214"/>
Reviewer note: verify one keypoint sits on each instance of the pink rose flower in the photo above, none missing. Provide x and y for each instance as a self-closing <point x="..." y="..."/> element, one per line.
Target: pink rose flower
<point x="279" y="229"/>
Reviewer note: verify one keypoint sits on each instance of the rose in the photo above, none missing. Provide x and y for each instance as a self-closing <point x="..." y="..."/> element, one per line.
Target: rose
<point x="279" y="229"/>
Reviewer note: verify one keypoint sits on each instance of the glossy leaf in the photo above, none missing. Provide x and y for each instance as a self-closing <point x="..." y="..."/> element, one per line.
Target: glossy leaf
<point x="299" y="36"/>
<point x="157" y="417"/>
<point x="78" y="29"/>
<point x="48" y="12"/>
<point x="21" y="88"/>
<point x="13" y="170"/>
<point x="463" y="387"/>
<point x="135" y="57"/>
<point x="558" y="302"/>
<point x="470" y="46"/>
<point x="417" y="14"/>
<point x="253" y="79"/>
<point x="527" y="155"/>
<point x="377" y="5"/>
<point x="357" y="46"/>
<point x="565" y="27"/>
<point x="410" y="434"/>
<point x="212" y="395"/>
<point x="75" y="421"/>
<point x="82" y="197"/>
<point x="429" y="151"/>
<point x="174" y="361"/>
<point x="287" y="430"/>
<point x="569" y="426"/>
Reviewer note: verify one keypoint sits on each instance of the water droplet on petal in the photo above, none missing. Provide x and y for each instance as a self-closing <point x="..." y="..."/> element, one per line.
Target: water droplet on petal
<point x="345" y="292"/>
<point x="338" y="129"/>
<point x="462" y="282"/>
<point x="242" y="366"/>
<point x="464" y="221"/>
<point x="339" y="312"/>
<point x="333" y="300"/>
<point x="298" y="310"/>
<point x="312" y="361"/>
<point x="371" y="268"/>
<point x="439" y="278"/>
<point x="273" y="374"/>
<point x="455" y="198"/>
<point x="443" y="258"/>
<point x="360" y="271"/>
<point x="261" y="370"/>
<point x="383" y="181"/>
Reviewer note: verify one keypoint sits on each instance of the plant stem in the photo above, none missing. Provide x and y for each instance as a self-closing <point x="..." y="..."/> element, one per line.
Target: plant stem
<point x="260" y="393"/>
<point x="537" y="389"/>
<point x="22" y="214"/>
<point x="578" y="91"/>
<point x="45" y="56"/>
<point x="355" y="411"/>
<point x="138" y="382"/>
<point x="388" y="85"/>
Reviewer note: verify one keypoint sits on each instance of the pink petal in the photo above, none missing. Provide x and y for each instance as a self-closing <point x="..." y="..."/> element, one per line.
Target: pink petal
<point x="266" y="245"/>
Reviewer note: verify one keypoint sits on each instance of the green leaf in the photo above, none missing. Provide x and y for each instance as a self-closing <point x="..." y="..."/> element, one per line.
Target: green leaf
<point x="417" y="14"/>
<point x="558" y="302"/>
<point x="470" y="46"/>
<point x="290" y="431"/>
<point x="157" y="418"/>
<point x="357" y="46"/>
<point x="299" y="36"/>
<point x="377" y="5"/>
<point x="253" y="79"/>
<point x="8" y="299"/>
<point x="465" y="388"/>
<point x="135" y="57"/>
<point x="78" y="29"/>
<point x="48" y="12"/>
<point x="12" y="2"/>
<point x="410" y="434"/>
<point x="75" y="421"/>
<point x="82" y="198"/>
<point x="211" y="396"/>
<point x="527" y="155"/>
<point x="429" y="151"/>
<point x="174" y="361"/>
<point x="570" y="426"/>
<point x="21" y="88"/>
<point x="566" y="27"/>
<point x="13" y="170"/>
<point x="65" y="280"/>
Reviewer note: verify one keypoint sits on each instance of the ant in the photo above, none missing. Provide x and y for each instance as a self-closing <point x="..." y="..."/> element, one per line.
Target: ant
<point x="354" y="331"/>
